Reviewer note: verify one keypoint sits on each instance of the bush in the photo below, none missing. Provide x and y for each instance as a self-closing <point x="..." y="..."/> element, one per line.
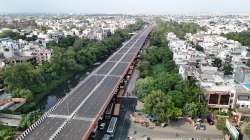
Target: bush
<point x="221" y="125"/>
<point x="29" y="119"/>
<point x="23" y="93"/>
<point x="247" y="131"/>
<point x="7" y="132"/>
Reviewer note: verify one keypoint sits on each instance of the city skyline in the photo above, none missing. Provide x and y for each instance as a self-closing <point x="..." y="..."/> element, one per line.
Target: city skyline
<point x="126" y="6"/>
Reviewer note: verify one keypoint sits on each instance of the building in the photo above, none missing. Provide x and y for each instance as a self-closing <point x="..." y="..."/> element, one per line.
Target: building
<point x="242" y="74"/>
<point x="222" y="96"/>
<point x="243" y="96"/>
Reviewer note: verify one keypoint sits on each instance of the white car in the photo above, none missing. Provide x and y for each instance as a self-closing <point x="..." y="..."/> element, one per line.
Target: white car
<point x="102" y="126"/>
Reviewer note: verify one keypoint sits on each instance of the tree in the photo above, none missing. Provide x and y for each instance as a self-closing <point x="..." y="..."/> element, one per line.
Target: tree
<point x="247" y="131"/>
<point x="22" y="76"/>
<point x="23" y="93"/>
<point x="199" y="48"/>
<point x="159" y="104"/>
<point x="228" y="69"/>
<point x="144" y="68"/>
<point x="167" y="81"/>
<point x="176" y="112"/>
<point x="71" y="56"/>
<point x="242" y="37"/>
<point x="7" y="132"/>
<point x="144" y="87"/>
<point x="190" y="109"/>
<point x="221" y="125"/>
<point x="202" y="109"/>
<point x="29" y="119"/>
<point x="178" y="98"/>
<point x="248" y="63"/>
<point x="195" y="109"/>
<point x="217" y="62"/>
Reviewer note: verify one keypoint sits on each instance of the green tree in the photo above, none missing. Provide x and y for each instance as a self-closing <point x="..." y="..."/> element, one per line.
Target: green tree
<point x="144" y="68"/>
<point x="178" y="98"/>
<point x="23" y="93"/>
<point x="29" y="119"/>
<point x="22" y="76"/>
<point x="202" y="109"/>
<point x="221" y="125"/>
<point x="195" y="109"/>
<point x="165" y="89"/>
<point x="167" y="81"/>
<point x="242" y="37"/>
<point x="248" y="63"/>
<point x="7" y="132"/>
<point x="190" y="109"/>
<point x="144" y="87"/>
<point x="176" y="112"/>
<point x="228" y="69"/>
<point x="199" y="48"/>
<point x="159" y="104"/>
<point x="71" y="55"/>
<point x="217" y="62"/>
<point x="247" y="131"/>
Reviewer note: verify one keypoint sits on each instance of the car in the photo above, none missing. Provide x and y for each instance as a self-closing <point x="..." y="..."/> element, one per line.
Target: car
<point x="152" y="118"/>
<point x="200" y="126"/>
<point x="102" y="126"/>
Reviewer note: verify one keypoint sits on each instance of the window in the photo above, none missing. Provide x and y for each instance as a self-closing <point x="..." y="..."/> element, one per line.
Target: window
<point x="224" y="99"/>
<point x="243" y="97"/>
<point x="213" y="99"/>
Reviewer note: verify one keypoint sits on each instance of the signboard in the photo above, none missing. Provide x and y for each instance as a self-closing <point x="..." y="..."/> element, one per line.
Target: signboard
<point x="232" y="130"/>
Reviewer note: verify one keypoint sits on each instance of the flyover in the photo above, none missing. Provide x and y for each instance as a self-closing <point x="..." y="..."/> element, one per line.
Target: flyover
<point x="76" y="115"/>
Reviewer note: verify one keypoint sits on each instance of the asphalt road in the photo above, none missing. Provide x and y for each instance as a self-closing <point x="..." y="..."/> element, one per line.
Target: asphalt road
<point x="93" y="105"/>
<point x="85" y="102"/>
<point x="44" y="131"/>
<point x="71" y="102"/>
<point x="74" y="130"/>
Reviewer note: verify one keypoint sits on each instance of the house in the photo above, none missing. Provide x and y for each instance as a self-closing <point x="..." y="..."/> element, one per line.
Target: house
<point x="220" y="96"/>
<point x="242" y="74"/>
<point x="243" y="96"/>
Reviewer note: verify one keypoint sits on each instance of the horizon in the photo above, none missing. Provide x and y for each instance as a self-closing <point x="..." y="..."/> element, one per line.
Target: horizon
<point x="129" y="7"/>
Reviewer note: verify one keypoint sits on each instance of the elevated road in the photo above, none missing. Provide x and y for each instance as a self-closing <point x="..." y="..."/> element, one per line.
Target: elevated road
<point x="74" y="117"/>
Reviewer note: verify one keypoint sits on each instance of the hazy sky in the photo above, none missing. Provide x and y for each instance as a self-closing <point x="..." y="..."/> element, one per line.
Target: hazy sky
<point x="125" y="6"/>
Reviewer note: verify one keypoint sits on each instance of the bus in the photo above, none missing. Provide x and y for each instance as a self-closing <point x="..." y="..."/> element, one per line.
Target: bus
<point x="109" y="111"/>
<point x="112" y="126"/>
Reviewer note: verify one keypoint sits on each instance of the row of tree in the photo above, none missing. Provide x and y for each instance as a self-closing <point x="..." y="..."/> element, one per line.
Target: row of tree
<point x="164" y="93"/>
<point x="242" y="37"/>
<point x="180" y="29"/>
<point x="71" y="55"/>
<point x="16" y="35"/>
